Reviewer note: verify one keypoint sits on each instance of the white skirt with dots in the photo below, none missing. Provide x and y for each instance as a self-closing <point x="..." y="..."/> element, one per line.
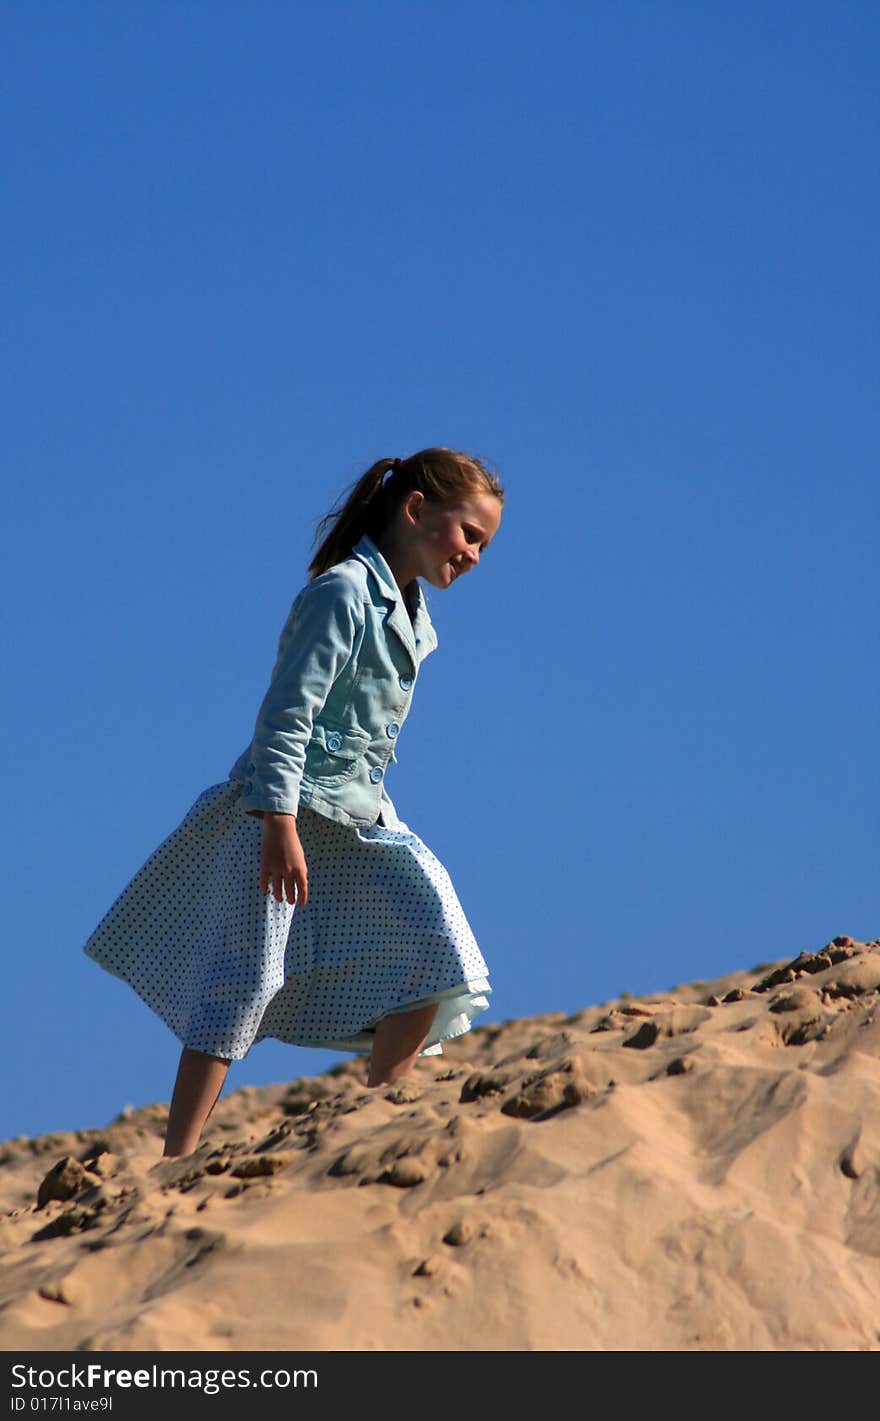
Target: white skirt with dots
<point x="225" y="965"/>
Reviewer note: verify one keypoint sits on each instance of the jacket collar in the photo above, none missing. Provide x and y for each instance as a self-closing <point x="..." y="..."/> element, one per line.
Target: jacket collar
<point x="418" y="635"/>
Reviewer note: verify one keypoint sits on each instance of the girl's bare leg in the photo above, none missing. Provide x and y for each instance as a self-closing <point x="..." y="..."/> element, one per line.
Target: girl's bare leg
<point x="196" y="1091"/>
<point x="397" y="1043"/>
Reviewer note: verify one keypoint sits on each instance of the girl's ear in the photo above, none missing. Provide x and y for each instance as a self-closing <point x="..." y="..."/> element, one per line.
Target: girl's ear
<point x="414" y="503"/>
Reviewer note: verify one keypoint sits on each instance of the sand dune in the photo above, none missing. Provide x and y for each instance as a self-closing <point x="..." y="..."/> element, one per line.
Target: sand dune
<point x="698" y="1170"/>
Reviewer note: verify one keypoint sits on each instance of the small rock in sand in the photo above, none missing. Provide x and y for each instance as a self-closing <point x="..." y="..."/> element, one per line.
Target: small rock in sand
<point x="854" y="980"/>
<point x="459" y="1233"/>
<point x="104" y="1163"/>
<point x="64" y="1180"/>
<point x="404" y="1094"/>
<point x="797" y="999"/>
<point x="258" y="1165"/>
<point x="479" y="1084"/>
<point x="428" y="1267"/>
<point x="406" y="1172"/>
<point x="646" y="1036"/>
<point x="852" y="1160"/>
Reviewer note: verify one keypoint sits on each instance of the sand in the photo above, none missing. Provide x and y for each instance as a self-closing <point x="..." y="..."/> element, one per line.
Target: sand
<point x="694" y="1170"/>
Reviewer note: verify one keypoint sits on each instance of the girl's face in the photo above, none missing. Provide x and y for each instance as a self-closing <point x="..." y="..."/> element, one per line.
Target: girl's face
<point x="446" y="541"/>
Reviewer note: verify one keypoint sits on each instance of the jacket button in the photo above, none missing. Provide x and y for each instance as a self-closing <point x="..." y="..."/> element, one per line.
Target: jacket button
<point x="334" y="741"/>
<point x="406" y="683"/>
<point x="376" y="774"/>
<point x="392" y="729"/>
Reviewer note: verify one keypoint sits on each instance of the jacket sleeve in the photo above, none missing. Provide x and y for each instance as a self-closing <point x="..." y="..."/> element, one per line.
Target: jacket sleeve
<point x="315" y="644"/>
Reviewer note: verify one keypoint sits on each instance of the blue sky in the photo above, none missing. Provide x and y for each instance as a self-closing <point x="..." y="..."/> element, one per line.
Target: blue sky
<point x="625" y="252"/>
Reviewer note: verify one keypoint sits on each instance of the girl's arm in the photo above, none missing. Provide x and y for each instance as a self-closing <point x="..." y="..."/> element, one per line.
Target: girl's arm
<point x="315" y="644"/>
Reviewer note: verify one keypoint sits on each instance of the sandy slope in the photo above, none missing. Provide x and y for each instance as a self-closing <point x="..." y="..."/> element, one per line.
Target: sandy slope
<point x="668" y="1172"/>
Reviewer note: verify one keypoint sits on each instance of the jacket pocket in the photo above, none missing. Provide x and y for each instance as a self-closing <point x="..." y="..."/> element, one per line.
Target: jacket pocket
<point x="333" y="752"/>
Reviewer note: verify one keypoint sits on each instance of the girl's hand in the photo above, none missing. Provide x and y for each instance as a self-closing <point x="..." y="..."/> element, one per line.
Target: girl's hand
<point x="283" y="860"/>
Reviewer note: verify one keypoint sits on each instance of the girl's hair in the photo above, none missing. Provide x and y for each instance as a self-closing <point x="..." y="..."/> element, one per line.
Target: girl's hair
<point x="369" y="504"/>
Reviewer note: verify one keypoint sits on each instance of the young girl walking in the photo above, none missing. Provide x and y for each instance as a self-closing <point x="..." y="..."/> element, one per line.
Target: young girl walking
<point x="292" y="901"/>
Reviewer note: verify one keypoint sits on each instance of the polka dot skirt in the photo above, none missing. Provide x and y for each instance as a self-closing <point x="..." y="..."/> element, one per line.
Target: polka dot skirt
<point x="225" y="965"/>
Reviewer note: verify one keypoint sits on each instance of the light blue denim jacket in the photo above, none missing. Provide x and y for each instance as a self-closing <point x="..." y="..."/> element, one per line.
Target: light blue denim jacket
<point x="341" y="688"/>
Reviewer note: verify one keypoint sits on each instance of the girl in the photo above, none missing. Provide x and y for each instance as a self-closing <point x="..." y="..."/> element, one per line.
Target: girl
<point x="291" y="901"/>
